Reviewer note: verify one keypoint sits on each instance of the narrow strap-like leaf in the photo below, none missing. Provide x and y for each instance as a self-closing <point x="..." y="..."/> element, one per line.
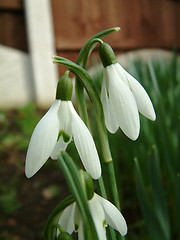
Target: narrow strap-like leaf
<point x="151" y="220"/>
<point x="50" y="227"/>
<point x="178" y="185"/>
<point x="158" y="194"/>
<point x="72" y="177"/>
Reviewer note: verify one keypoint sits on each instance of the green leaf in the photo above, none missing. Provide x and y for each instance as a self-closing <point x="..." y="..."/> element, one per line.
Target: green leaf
<point x="154" y="228"/>
<point x="50" y="228"/>
<point x="73" y="180"/>
<point x="178" y="185"/>
<point x="157" y="189"/>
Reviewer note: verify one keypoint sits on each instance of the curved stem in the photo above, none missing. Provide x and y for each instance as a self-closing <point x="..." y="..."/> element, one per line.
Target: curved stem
<point x="97" y="35"/>
<point x="79" y="88"/>
<point x="91" y="45"/>
<point x="82" y="61"/>
<point x="51" y="225"/>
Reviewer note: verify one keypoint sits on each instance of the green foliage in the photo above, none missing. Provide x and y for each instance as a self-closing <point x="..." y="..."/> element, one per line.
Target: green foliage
<point x="17" y="127"/>
<point x="9" y="202"/>
<point x="156" y="150"/>
<point x="27" y="118"/>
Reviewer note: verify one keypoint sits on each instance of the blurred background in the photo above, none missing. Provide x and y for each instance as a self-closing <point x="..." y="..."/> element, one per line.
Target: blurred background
<point x="147" y="45"/>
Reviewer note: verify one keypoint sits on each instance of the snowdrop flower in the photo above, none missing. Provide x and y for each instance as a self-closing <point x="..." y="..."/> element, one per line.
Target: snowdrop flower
<point x="56" y="129"/>
<point x="103" y="213"/>
<point x="122" y="97"/>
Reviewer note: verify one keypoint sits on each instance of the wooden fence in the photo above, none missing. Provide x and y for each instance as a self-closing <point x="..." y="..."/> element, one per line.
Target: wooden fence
<point x="144" y="23"/>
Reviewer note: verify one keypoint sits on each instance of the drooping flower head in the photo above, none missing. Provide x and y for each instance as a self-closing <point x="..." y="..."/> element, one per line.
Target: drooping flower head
<point x="56" y="129"/>
<point x="102" y="211"/>
<point x="122" y="96"/>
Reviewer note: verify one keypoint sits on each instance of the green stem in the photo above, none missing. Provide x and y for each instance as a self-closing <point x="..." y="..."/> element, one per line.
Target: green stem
<point x="101" y="187"/>
<point x="79" y="88"/>
<point x="97" y="35"/>
<point x="112" y="182"/>
<point x="82" y="61"/>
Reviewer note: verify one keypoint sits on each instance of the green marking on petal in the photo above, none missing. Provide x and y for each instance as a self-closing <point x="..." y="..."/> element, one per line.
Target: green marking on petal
<point x="65" y="136"/>
<point x="76" y="228"/>
<point x="104" y="223"/>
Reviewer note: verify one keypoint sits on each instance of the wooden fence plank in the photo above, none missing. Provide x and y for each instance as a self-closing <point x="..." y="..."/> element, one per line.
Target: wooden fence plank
<point x="11" y="4"/>
<point x="13" y="30"/>
<point x="144" y="23"/>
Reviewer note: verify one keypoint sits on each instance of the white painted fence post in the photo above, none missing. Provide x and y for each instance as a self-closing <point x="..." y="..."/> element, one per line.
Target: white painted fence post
<point x="41" y="49"/>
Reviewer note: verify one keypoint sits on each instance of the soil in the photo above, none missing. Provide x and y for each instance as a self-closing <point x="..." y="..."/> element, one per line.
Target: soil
<point x="35" y="197"/>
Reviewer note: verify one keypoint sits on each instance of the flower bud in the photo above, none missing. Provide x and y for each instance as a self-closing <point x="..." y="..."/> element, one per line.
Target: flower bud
<point x="87" y="183"/>
<point x="64" y="88"/>
<point x="107" y="55"/>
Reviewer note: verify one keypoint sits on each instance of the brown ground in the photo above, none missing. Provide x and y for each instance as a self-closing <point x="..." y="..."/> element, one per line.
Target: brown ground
<point x="34" y="198"/>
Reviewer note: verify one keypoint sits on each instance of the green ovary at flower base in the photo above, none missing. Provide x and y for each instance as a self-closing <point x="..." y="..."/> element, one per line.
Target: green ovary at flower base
<point x="55" y="131"/>
<point x="122" y="97"/>
<point x="103" y="213"/>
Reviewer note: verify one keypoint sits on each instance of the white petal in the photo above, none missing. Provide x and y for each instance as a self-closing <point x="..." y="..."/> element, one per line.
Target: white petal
<point x="77" y="216"/>
<point x="121" y="73"/>
<point x="60" y="145"/>
<point x="42" y="141"/>
<point x="85" y="145"/>
<point x="142" y="99"/>
<point x="80" y="231"/>
<point x="123" y="104"/>
<point x="110" y="121"/>
<point x="79" y="223"/>
<point x="98" y="216"/>
<point x="66" y="220"/>
<point x="113" y="216"/>
<point x="65" y="118"/>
